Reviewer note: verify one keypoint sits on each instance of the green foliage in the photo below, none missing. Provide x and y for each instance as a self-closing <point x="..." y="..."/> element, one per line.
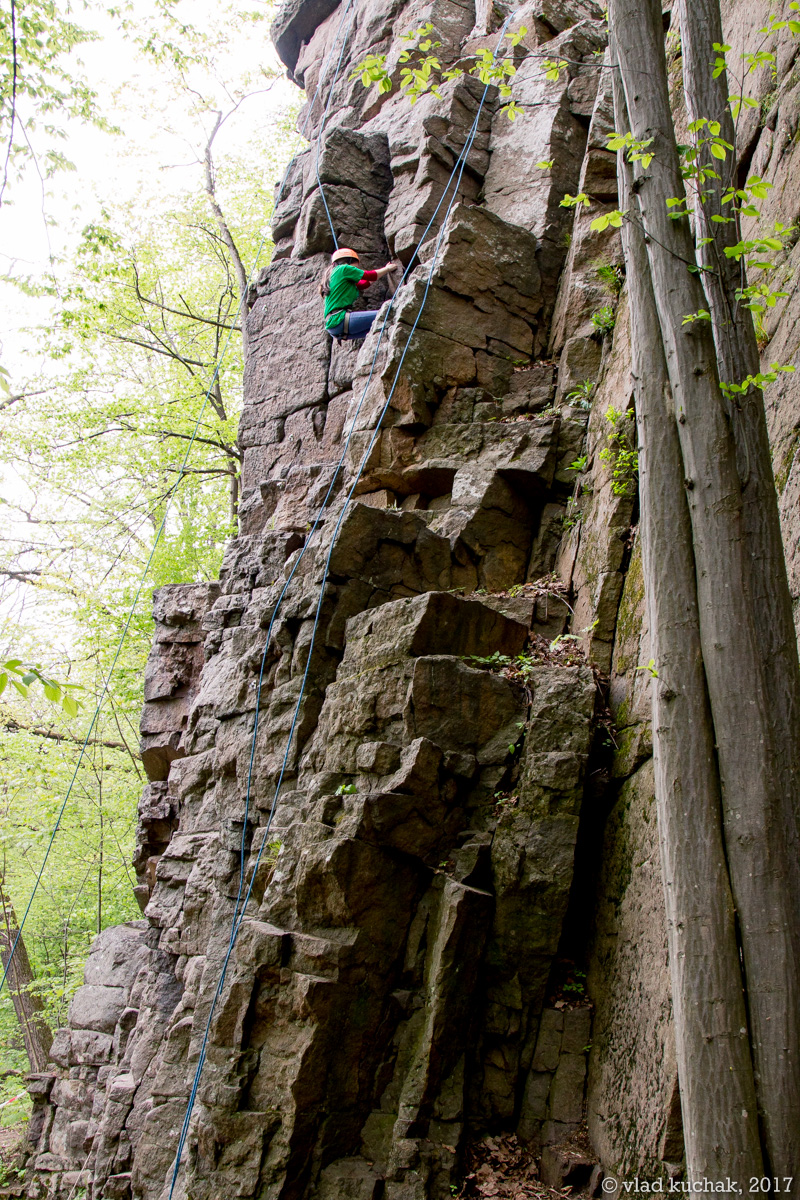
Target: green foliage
<point x="574" y="201"/>
<point x="553" y="67"/>
<point x="422" y="71"/>
<point x="758" y="381"/>
<point x="620" y="454"/>
<point x="604" y="319"/>
<point x="609" y="275"/>
<point x="89" y="881"/>
<point x="579" y="464"/>
<point x="581" y="395"/>
<point x="111" y="385"/>
<point x="372" y="70"/>
<point x="775" y="24"/>
<point x="635" y="151"/>
<point x="346" y="789"/>
<point x="41" y="91"/>
<point x="21" y="675"/>
<point x="650" y="668"/>
<point x="572" y="514"/>
<point x="702" y="314"/>
<point x="273" y="850"/>
<point x="577" y="985"/>
<point x="610" y="219"/>
<point x="495" y="661"/>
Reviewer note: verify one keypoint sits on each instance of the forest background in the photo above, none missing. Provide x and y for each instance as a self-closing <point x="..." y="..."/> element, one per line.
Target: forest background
<point x="139" y="149"/>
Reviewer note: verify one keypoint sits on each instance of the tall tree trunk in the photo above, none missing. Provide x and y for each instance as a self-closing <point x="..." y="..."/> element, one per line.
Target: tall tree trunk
<point x="755" y="761"/>
<point x="226" y="235"/>
<point x="715" y="1069"/>
<point x="27" y="1005"/>
<point x="737" y="357"/>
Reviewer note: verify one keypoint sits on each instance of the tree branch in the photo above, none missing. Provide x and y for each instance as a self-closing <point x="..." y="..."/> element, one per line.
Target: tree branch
<point x="227" y="236"/>
<point x="12" y="725"/>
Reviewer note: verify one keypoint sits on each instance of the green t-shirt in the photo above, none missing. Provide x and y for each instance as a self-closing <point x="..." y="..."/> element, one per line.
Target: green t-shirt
<point x="343" y="293"/>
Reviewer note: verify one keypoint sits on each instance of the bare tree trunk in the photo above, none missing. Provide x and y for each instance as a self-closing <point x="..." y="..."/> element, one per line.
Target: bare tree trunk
<point x="101" y="854"/>
<point x="755" y="762"/>
<point x="232" y="452"/>
<point x="717" y="1086"/>
<point x="27" y="1005"/>
<point x="226" y="235"/>
<point x="233" y="493"/>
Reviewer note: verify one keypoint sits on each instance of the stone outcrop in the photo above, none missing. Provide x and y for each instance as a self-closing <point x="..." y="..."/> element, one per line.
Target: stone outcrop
<point x="454" y="920"/>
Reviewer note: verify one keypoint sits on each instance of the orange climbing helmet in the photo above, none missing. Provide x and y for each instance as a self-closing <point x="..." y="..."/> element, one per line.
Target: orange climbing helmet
<point x="343" y="252"/>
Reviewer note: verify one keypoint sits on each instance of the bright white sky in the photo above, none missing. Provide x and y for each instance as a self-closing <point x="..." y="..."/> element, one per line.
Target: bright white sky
<point x="157" y="154"/>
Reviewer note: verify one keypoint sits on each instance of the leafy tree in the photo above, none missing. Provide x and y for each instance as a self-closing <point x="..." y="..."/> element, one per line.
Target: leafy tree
<point x="41" y="88"/>
<point x="138" y="358"/>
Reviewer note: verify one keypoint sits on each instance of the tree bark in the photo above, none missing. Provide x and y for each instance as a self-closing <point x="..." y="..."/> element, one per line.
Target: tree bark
<point x="738" y="356"/>
<point x="755" y="761"/>
<point x="715" y="1069"/>
<point x="28" y="1006"/>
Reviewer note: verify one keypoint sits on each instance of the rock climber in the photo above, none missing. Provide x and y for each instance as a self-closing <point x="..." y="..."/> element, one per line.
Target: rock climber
<point x="341" y="288"/>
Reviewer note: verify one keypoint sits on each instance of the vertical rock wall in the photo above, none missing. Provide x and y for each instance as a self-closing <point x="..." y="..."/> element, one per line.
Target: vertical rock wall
<point x="457" y="842"/>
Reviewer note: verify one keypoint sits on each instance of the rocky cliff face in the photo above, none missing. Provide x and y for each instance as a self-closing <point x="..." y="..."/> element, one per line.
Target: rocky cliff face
<point x="460" y="833"/>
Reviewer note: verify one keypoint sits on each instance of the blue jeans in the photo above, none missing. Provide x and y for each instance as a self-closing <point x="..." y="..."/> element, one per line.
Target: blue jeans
<point x="360" y="325"/>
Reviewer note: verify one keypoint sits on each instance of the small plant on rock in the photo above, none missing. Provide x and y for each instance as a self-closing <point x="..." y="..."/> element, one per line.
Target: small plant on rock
<point x="604" y="320"/>
<point x="572" y="514"/>
<point x="494" y="661"/>
<point x="581" y="396"/>
<point x="609" y="275"/>
<point x="576" y="986"/>
<point x="620" y="453"/>
<point x="273" y="850"/>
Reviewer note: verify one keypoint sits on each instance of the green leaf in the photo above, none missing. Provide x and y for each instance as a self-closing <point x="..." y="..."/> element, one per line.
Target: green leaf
<point x="70" y="705"/>
<point x="702" y="314"/>
<point x="573" y="201"/>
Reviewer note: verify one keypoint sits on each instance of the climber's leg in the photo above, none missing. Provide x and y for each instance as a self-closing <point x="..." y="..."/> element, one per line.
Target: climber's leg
<point x="361" y="323"/>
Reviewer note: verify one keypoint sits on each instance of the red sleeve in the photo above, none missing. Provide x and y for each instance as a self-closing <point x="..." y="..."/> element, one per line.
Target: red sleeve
<point x="366" y="279"/>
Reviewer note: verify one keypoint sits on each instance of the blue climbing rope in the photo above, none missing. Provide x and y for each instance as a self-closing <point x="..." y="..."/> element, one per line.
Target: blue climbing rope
<point x="323" y="123"/>
<point x="157" y="539"/>
<point x="239" y="911"/>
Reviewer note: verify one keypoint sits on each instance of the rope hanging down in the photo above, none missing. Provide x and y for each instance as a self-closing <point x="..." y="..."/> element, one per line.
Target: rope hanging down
<point x="157" y="539"/>
<point x="324" y="120"/>
<point x="239" y="912"/>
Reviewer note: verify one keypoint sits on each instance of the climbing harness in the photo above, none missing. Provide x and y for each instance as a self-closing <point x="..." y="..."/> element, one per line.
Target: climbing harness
<point x="240" y="906"/>
<point x="181" y="473"/>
